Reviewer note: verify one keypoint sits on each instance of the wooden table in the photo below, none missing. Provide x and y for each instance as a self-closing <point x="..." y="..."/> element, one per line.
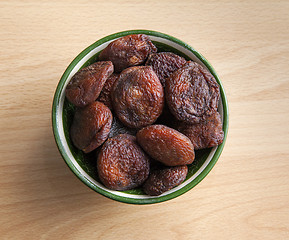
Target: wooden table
<point x="245" y="196"/>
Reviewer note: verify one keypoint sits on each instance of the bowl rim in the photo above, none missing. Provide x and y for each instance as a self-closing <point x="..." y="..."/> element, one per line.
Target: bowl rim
<point x="103" y="192"/>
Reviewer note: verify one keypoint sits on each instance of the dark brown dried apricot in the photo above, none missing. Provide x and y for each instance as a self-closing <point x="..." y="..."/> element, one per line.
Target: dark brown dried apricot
<point x="192" y="93"/>
<point x="90" y="126"/>
<point x="205" y="134"/>
<point x="128" y="51"/>
<point x="105" y="95"/>
<point x="166" y="145"/>
<point x="122" y="164"/>
<point x="138" y="96"/>
<point x="162" y="180"/>
<point x="167" y="118"/>
<point x="85" y="86"/>
<point x="164" y="64"/>
<point x="117" y="128"/>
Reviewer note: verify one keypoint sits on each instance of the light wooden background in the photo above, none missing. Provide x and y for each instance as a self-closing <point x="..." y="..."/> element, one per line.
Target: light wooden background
<point x="245" y="196"/>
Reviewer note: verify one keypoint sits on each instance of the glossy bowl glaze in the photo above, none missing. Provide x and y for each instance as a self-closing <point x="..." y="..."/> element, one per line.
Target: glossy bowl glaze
<point x="84" y="166"/>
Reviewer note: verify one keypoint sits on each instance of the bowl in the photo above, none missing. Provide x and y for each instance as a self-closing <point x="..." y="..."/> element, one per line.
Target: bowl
<point x="84" y="166"/>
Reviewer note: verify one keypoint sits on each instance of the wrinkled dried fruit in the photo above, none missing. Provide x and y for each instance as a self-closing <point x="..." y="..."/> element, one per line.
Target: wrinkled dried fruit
<point x="105" y="95"/>
<point x="122" y="164"/>
<point x="85" y="86"/>
<point x="205" y="134"/>
<point x="128" y="51"/>
<point x="162" y="180"/>
<point x="166" y="145"/>
<point x="164" y="64"/>
<point x="117" y="128"/>
<point x="167" y="118"/>
<point x="192" y="93"/>
<point x="90" y="126"/>
<point x="138" y="97"/>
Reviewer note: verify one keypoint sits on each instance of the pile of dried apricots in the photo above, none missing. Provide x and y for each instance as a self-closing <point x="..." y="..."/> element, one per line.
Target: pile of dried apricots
<point x="146" y="112"/>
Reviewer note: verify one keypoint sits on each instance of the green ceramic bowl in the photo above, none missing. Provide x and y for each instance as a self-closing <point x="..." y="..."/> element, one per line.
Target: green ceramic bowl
<point x="84" y="166"/>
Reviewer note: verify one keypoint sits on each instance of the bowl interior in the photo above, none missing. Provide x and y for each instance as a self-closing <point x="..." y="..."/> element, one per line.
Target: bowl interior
<point x="84" y="165"/>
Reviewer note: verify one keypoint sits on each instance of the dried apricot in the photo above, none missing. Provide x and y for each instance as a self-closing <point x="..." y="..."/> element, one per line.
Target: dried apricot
<point x="164" y="179"/>
<point x="167" y="118"/>
<point x="128" y="51"/>
<point x="205" y="134"/>
<point x="164" y="64"/>
<point x="85" y="86"/>
<point x="166" y="145"/>
<point x="117" y="128"/>
<point x="122" y="164"/>
<point x="105" y="94"/>
<point x="90" y="126"/>
<point x="138" y="96"/>
<point x="192" y="93"/>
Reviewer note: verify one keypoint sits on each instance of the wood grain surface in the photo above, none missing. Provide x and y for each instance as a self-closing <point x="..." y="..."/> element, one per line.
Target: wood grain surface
<point x="245" y="196"/>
